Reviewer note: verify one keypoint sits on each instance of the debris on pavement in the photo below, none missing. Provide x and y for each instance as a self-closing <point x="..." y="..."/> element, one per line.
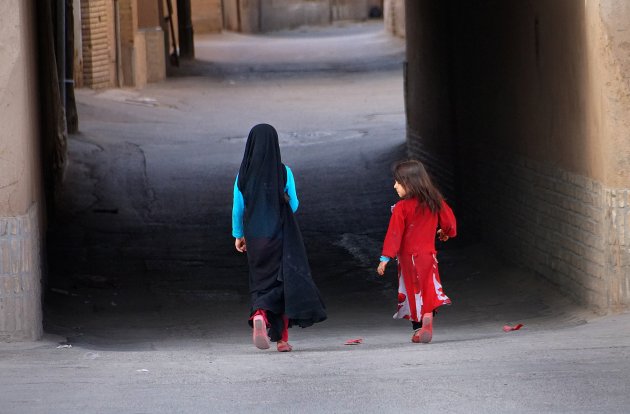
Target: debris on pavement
<point x="356" y="341"/>
<point x="508" y="328"/>
<point x="144" y="101"/>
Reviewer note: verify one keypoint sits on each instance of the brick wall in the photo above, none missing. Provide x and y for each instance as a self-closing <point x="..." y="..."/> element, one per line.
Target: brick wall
<point x="128" y="21"/>
<point x="563" y="226"/>
<point x="435" y="163"/>
<point x="96" y="43"/>
<point x="501" y="105"/>
<point x="20" y="291"/>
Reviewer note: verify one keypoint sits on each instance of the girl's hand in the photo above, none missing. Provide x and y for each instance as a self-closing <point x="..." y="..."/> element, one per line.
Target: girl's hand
<point x="381" y="268"/>
<point x="443" y="237"/>
<point x="240" y="244"/>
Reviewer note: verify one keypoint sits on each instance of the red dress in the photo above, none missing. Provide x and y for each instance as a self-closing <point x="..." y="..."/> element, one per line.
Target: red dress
<point x="411" y="239"/>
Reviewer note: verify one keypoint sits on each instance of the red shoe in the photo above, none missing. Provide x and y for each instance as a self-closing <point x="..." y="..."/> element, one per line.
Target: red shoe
<point x="426" y="332"/>
<point x="415" y="338"/>
<point x="259" y="335"/>
<point x="284" y="346"/>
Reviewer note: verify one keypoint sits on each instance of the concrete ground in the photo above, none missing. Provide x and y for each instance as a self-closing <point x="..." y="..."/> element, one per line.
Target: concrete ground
<point x="146" y="301"/>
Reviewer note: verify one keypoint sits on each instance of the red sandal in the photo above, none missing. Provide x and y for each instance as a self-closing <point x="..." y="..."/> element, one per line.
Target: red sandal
<point x="259" y="335"/>
<point x="426" y="332"/>
<point x="284" y="346"/>
<point x="415" y="338"/>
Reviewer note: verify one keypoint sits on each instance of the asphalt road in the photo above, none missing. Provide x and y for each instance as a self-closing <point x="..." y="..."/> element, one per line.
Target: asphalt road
<point x="146" y="301"/>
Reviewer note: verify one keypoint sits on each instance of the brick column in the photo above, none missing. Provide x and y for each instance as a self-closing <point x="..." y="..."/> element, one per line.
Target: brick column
<point x="96" y="43"/>
<point x="394" y="17"/>
<point x="618" y="246"/>
<point x="133" y="45"/>
<point x="610" y="20"/>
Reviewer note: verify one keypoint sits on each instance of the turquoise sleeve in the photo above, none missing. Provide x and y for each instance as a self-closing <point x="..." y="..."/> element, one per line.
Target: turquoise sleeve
<point x="291" y="191"/>
<point x="384" y="259"/>
<point x="238" y="207"/>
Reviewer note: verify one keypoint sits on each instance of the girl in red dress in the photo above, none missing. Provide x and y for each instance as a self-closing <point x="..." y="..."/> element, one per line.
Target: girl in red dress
<point x="410" y="238"/>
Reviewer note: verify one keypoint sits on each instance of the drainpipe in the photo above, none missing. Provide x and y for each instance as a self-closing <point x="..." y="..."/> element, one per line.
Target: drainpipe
<point x="330" y="11"/>
<point x="185" y="28"/>
<point x="239" y="28"/>
<point x="119" y="69"/>
<point x="61" y="51"/>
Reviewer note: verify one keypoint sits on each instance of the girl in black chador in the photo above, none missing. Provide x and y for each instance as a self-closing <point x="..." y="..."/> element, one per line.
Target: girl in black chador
<point x="282" y="290"/>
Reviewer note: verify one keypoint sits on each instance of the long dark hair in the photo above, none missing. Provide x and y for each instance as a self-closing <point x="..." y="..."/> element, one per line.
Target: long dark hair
<point x="413" y="177"/>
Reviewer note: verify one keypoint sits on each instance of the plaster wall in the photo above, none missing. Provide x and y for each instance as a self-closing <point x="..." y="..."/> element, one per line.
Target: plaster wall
<point x="287" y="14"/>
<point x="231" y="15"/>
<point x="19" y="172"/>
<point x="255" y="16"/>
<point x="609" y="25"/>
<point x="249" y="16"/>
<point x="20" y="181"/>
<point x="350" y="9"/>
<point x="155" y="65"/>
<point x="78" y="44"/>
<point x="148" y="14"/>
<point x="520" y="109"/>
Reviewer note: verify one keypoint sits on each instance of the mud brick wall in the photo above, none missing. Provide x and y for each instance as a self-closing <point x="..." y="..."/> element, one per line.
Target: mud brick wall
<point x="562" y="226"/>
<point x="96" y="43"/>
<point x="434" y="161"/>
<point x="527" y="132"/>
<point x="543" y="218"/>
<point x="20" y="290"/>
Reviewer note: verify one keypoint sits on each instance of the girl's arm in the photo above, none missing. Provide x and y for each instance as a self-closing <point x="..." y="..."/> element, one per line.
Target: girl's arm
<point x="381" y="267"/>
<point x="446" y="222"/>
<point x="238" y="208"/>
<point x="291" y="191"/>
<point x="393" y="238"/>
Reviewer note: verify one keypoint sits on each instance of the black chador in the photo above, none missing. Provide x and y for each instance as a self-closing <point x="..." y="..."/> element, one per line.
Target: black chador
<point x="279" y="274"/>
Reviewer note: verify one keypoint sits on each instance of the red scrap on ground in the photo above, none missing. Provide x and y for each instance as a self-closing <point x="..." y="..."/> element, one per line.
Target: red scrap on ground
<point x="508" y="328"/>
<point x="354" y="341"/>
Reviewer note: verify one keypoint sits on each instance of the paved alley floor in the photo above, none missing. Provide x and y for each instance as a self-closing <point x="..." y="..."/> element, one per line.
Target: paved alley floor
<point x="147" y="300"/>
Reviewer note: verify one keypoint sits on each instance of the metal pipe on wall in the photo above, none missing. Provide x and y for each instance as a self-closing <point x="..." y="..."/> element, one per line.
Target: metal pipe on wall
<point x="77" y="52"/>
<point x="119" y="68"/>
<point x="186" y="35"/>
<point x="61" y="50"/>
<point x="260" y="16"/>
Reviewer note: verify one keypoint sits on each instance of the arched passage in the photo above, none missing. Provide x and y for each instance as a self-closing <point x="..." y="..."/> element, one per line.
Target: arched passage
<point x="516" y="106"/>
<point x="143" y="227"/>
